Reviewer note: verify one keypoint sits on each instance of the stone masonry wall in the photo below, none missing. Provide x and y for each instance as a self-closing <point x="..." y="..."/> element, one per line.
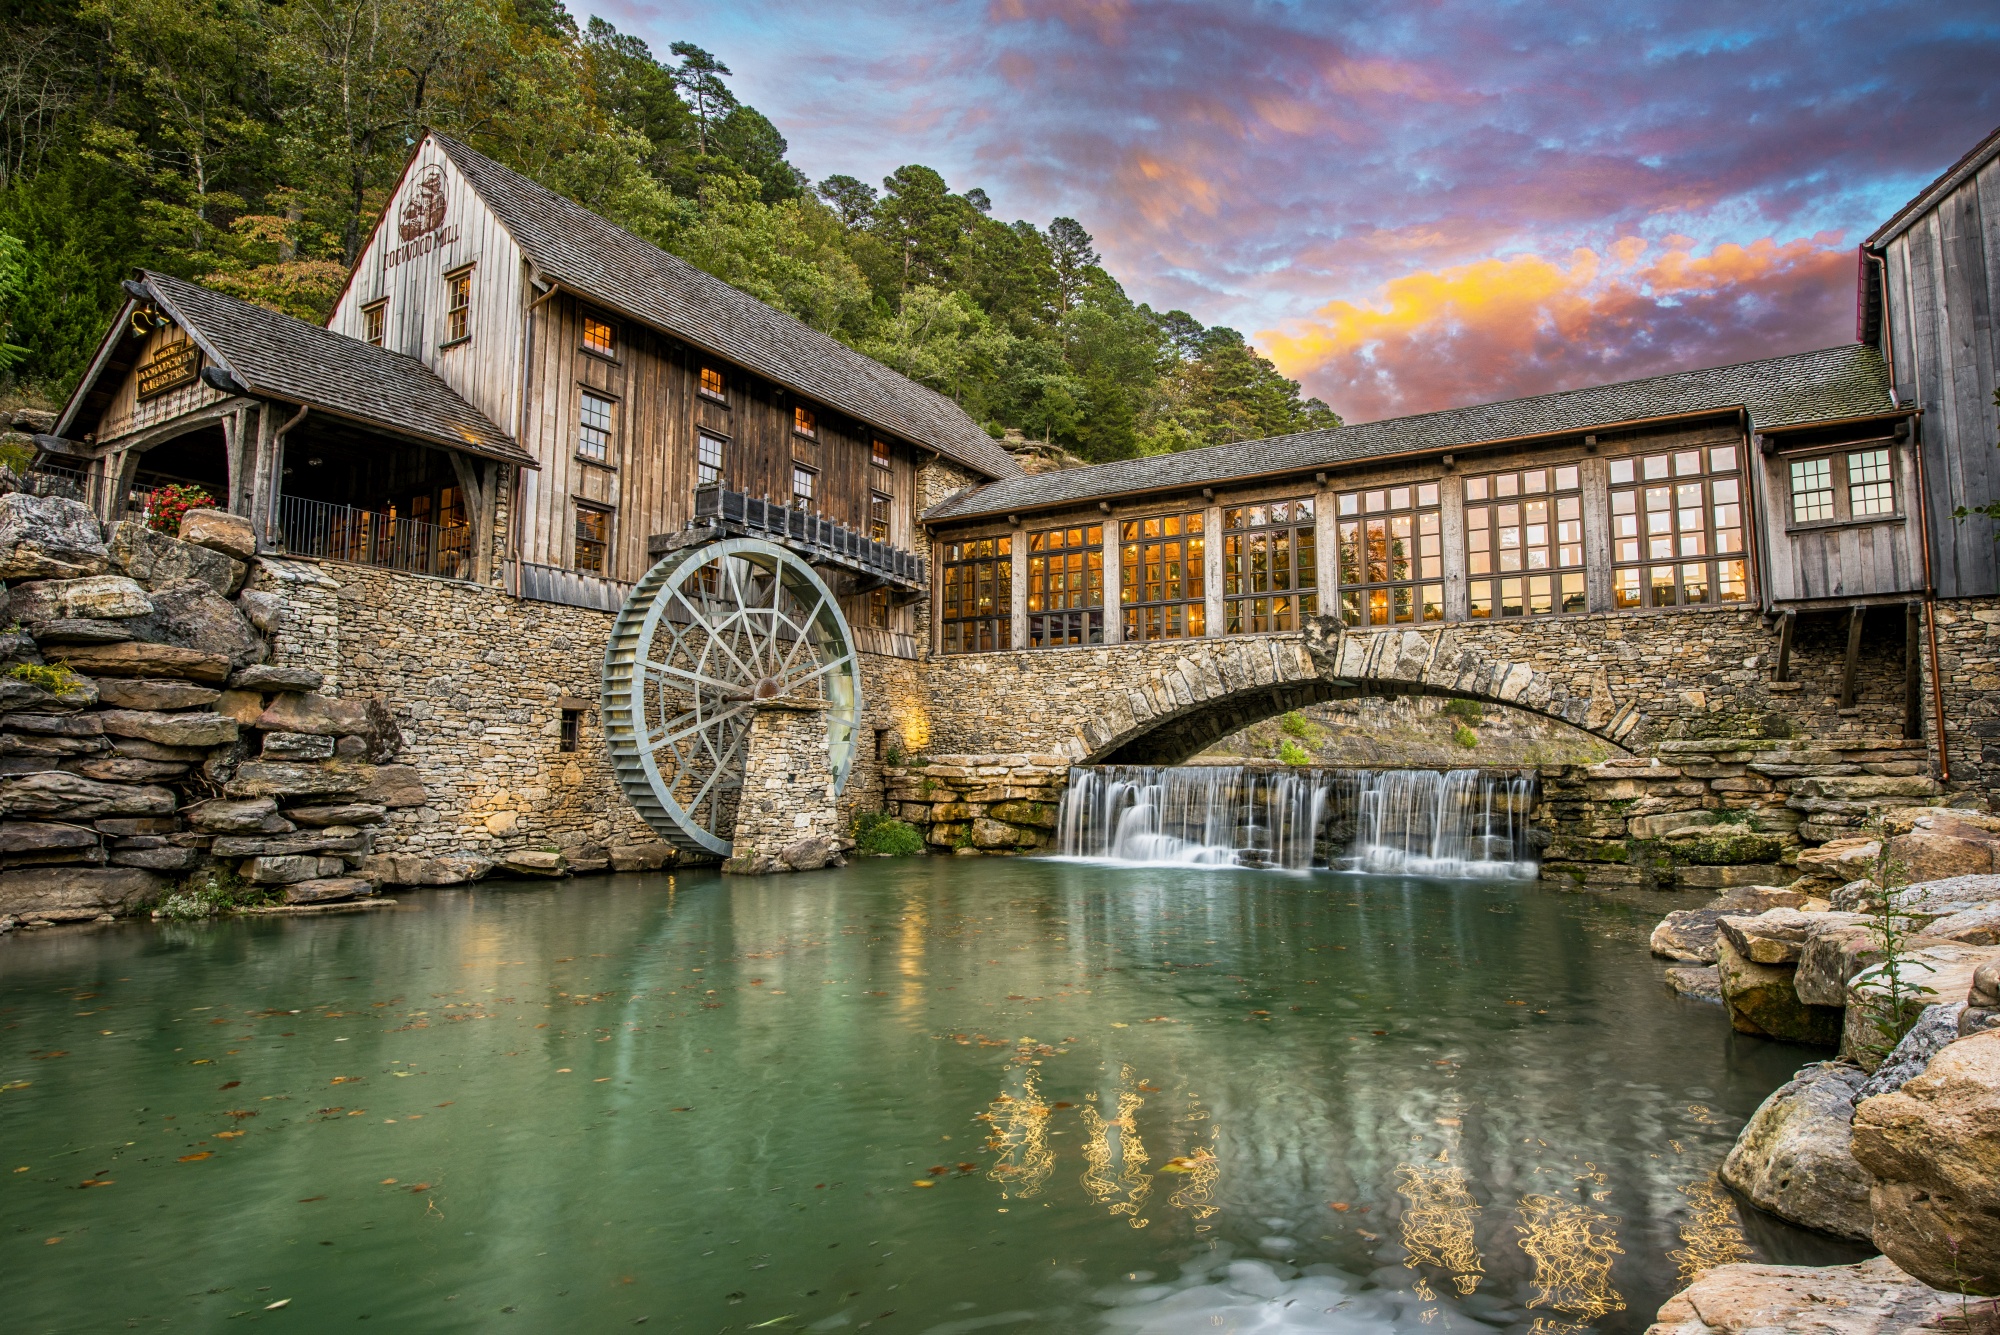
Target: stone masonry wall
<point x="308" y="635"/>
<point x="786" y="819"/>
<point x="1968" y="641"/>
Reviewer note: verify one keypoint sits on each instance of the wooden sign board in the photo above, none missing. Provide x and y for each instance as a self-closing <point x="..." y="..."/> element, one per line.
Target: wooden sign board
<point x="171" y="366"/>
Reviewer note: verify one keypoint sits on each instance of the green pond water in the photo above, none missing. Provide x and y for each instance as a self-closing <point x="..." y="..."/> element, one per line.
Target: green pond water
<point x="928" y="1095"/>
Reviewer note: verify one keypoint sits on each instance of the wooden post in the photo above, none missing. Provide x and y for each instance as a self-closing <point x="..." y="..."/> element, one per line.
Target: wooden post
<point x="1451" y="495"/>
<point x="1114" y="583"/>
<point x="1855" y="618"/>
<point x="1913" y="671"/>
<point x="1017" y="610"/>
<point x="475" y="483"/>
<point x="1326" y="549"/>
<point x="1785" y="623"/>
<point x="1211" y="552"/>
<point x="1597" y="551"/>
<point x="266" y="476"/>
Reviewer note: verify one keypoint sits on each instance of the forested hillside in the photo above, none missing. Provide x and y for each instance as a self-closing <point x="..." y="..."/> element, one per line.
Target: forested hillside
<point x="249" y="144"/>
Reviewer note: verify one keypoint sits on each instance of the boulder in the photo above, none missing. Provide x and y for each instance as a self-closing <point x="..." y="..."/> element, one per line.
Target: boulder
<point x="394" y="786"/>
<point x="192" y="615"/>
<point x="297" y="746"/>
<point x="1794" y="1158"/>
<point x="1976" y="926"/>
<point x="155" y="559"/>
<point x="80" y="630"/>
<point x="53" y="793"/>
<point x="193" y="730"/>
<point x="1934" y="1148"/>
<point x="246" y="707"/>
<point x="642" y="857"/>
<point x="413" y="869"/>
<point x="1839" y="861"/>
<point x="1832" y="955"/>
<point x="136" y="659"/>
<point x="220" y="531"/>
<point x="34" y="420"/>
<point x="809" y="854"/>
<point x="1688" y="934"/>
<point x="1939" y="846"/>
<point x="288" y="869"/>
<point x="266" y="678"/>
<point x="1937" y="1026"/>
<point x="1955" y="894"/>
<point x="255" y="816"/>
<point x="345" y="813"/>
<point x="285" y="778"/>
<point x="1776" y="936"/>
<point x="364" y="716"/>
<point x="1704" y="984"/>
<point x="534" y="862"/>
<point x="154" y="696"/>
<point x="1761" y="1001"/>
<point x="71" y="894"/>
<point x="97" y="597"/>
<point x="1944" y="970"/>
<point x="49" y="537"/>
<point x="328" y="890"/>
<point x="1871" y="1298"/>
<point x="265" y="611"/>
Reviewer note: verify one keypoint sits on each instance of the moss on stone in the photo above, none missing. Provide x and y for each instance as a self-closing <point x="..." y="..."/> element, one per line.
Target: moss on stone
<point x="1725" y="849"/>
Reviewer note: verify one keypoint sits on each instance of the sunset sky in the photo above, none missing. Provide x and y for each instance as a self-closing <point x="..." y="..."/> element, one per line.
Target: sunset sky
<point x="1409" y="204"/>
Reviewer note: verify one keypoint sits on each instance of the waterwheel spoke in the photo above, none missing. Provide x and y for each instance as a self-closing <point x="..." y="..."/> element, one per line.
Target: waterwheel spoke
<point x="791" y="683"/>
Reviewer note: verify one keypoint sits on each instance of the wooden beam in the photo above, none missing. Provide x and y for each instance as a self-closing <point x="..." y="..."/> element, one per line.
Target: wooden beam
<point x="475" y="483"/>
<point x="1913" y="671"/>
<point x="1855" y="618"/>
<point x="1786" y="620"/>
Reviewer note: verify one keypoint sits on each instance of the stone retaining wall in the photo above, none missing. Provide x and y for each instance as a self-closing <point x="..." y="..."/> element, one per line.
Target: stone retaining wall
<point x="1968" y="641"/>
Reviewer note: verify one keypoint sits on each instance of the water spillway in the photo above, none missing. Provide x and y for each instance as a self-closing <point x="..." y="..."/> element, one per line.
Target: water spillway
<point x="1454" y="823"/>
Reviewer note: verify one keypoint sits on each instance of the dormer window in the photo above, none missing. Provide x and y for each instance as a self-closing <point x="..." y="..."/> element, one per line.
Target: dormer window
<point x="374" y="322"/>
<point x="599" y="337"/>
<point x="804" y="423"/>
<point x="713" y="385"/>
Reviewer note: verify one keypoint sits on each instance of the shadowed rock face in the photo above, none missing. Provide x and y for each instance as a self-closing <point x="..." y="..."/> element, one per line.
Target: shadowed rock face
<point x="1794" y="1157"/>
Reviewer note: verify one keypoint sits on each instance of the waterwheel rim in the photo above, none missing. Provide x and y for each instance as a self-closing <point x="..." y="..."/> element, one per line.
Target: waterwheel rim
<point x="711" y="633"/>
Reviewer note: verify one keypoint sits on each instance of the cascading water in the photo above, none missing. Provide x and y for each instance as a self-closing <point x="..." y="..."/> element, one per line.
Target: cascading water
<point x="1460" y="823"/>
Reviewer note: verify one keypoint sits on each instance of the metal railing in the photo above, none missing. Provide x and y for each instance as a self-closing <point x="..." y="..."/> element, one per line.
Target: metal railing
<point x="46" y="479"/>
<point x="373" y="538"/>
<point x="819" y="540"/>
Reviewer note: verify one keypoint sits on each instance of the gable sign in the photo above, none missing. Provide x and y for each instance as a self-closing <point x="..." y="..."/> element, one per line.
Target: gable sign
<point x="420" y="223"/>
<point x="171" y="366"/>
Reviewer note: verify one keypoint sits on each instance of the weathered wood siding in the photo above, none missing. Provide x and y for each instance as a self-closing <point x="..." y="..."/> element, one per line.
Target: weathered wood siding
<point x="1871" y="557"/>
<point x="1942" y="286"/>
<point x="127" y="413"/>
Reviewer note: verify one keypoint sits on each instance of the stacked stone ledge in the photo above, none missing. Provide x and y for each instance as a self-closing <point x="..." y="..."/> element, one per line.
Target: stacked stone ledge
<point x="985" y="804"/>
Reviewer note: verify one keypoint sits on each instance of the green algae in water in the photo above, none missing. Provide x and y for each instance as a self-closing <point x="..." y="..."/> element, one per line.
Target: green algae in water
<point x="914" y="1095"/>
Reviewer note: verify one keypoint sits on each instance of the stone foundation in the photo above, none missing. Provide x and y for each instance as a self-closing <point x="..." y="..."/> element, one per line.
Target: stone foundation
<point x="785" y="819"/>
<point x="968" y="805"/>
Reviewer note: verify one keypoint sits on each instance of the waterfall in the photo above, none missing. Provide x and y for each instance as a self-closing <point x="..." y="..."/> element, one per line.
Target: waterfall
<point x="1461" y="823"/>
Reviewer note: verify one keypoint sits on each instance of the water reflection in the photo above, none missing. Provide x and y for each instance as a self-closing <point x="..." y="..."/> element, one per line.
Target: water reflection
<point x="1117" y="1178"/>
<point x="1573" y="1246"/>
<point x="1020" y="1137"/>
<point x="1712" y="1235"/>
<point x="1438" y="1222"/>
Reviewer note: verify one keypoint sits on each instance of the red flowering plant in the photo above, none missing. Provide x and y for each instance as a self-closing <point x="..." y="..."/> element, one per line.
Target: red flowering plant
<point x="166" y="505"/>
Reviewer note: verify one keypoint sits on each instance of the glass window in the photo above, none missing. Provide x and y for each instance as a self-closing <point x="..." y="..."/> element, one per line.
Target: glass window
<point x="878" y="608"/>
<point x="878" y="516"/>
<point x="1677" y="529"/>
<point x="977" y="582"/>
<point x="713" y="385"/>
<point x="1812" y="490"/>
<point x="1524" y="543"/>
<point x="1869" y="489"/>
<point x="1161" y="589"/>
<point x="1391" y="555"/>
<point x="1066" y="586"/>
<point x="708" y="459"/>
<point x="593" y="538"/>
<point x="880" y="455"/>
<point x="374" y="322"/>
<point x="593" y="435"/>
<point x="804" y="422"/>
<point x="805" y="487"/>
<point x="598" y="337"/>
<point x="458" y="307"/>
<point x="1270" y="566"/>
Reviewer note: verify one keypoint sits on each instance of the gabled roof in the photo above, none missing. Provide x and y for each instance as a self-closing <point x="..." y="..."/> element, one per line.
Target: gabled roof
<point x="275" y="356"/>
<point x="1954" y="176"/>
<point x="575" y="248"/>
<point x="1833" y="384"/>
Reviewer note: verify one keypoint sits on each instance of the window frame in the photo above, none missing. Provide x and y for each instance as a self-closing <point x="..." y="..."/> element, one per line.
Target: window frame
<point x="882" y="525"/>
<point x="1558" y="587"/>
<point x="805" y="422"/>
<point x="578" y="509"/>
<point x="1841" y="484"/>
<point x="802" y="469"/>
<point x="458" y="314"/>
<point x="879" y="609"/>
<point x="1066" y="603"/>
<point x="609" y="352"/>
<point x="1248" y="527"/>
<point x="702" y="437"/>
<point x="1180" y="617"/>
<point x="989" y="573"/>
<point x="1361" y="598"/>
<point x="375" y="323"/>
<point x="585" y="394"/>
<point x="1636" y="571"/>
<point x="570" y="739"/>
<point x="701" y="389"/>
<point x="879" y="453"/>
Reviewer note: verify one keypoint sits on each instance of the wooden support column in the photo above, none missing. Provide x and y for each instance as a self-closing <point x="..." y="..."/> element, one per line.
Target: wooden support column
<point x="1597" y="580"/>
<point x="239" y="454"/>
<point x="120" y="467"/>
<point x="475" y="483"/>
<point x="1017" y="608"/>
<point x="1211" y="569"/>
<point x="1451" y="498"/>
<point x="1326" y="548"/>
<point x="1855" y="619"/>
<point x="1786" y="620"/>
<point x="266" y="474"/>
<point x="1913" y="671"/>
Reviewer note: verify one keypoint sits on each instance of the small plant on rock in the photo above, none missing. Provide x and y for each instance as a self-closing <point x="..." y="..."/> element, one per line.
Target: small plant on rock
<point x="167" y="505"/>
<point x="1295" y="724"/>
<point x="1466" y="711"/>
<point x="1291" y="753"/>
<point x="878" y="834"/>
<point x="55" y="678"/>
<point x="1891" y="1001"/>
<point x="210" y="892"/>
<point x="1464" y="736"/>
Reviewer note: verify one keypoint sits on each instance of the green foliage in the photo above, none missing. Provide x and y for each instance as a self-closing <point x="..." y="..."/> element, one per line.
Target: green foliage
<point x="1464" y="736"/>
<point x="882" y="835"/>
<point x="1469" y="711"/>
<point x="211" y="892"/>
<point x="55" y="678"/>
<point x="1892" y="1002"/>
<point x="167" y="505"/>
<point x="1295" y="724"/>
<point x="1992" y="508"/>
<point x="1291" y="753"/>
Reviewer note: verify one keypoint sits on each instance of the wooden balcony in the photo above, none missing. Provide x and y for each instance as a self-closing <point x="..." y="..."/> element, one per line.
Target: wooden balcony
<point x="820" y="541"/>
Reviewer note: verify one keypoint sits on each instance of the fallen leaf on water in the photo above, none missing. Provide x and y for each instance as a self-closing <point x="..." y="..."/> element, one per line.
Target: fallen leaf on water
<point x="447" y="1103"/>
<point x="48" y="1056"/>
<point x="97" y="1182"/>
<point x="600" y="1079"/>
<point x="1149" y="1089"/>
<point x="388" y="1181"/>
<point x="190" y="1158"/>
<point x="1517" y="1003"/>
<point x="1341" y="1206"/>
<point x="1116" y="1025"/>
<point x="562" y="1070"/>
<point x="776" y="1320"/>
<point x="1379" y="1033"/>
<point x="15" y="1084"/>
<point x="923" y="1182"/>
<point x="231" y="1085"/>
<point x="240" y="1113"/>
<point x="227" y="1135"/>
<point x="1372" y="1237"/>
<point x="421" y="1186"/>
<point x="1449" y="1121"/>
<point x="50" y="1242"/>
<point x="1062" y="1104"/>
<point x="308" y="1200"/>
<point x="343" y="1079"/>
<point x="282" y="1302"/>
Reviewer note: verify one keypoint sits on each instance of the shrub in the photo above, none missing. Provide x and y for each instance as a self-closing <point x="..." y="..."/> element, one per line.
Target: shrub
<point x="1468" y="711"/>
<point x="882" y="835"/>
<point x="55" y="678"/>
<point x="213" y="891"/>
<point x="1464" y="736"/>
<point x="1294" y="724"/>
<point x="1291" y="753"/>
<point x="166" y="506"/>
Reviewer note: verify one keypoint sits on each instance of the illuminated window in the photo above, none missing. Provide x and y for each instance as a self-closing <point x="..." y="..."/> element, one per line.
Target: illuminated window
<point x="1270" y="566"/>
<point x="977" y="582"/>
<point x="713" y="385"/>
<point x="458" y="306"/>
<point x="1391" y="555"/>
<point x="593" y="539"/>
<point x="707" y="459"/>
<point x="878" y="608"/>
<point x="881" y="455"/>
<point x="805" y="487"/>
<point x="598" y="337"/>
<point x="1066" y="586"/>
<point x="805" y="423"/>
<point x="1869" y="490"/>
<point x="593" y="432"/>
<point x="374" y="322"/>
<point x="1525" y="530"/>
<point x="1160" y="566"/>
<point x="1677" y="529"/>
<point x="1812" y="490"/>
<point x="878" y="516"/>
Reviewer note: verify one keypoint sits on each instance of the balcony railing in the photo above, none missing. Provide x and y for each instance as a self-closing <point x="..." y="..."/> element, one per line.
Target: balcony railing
<point x="373" y="538"/>
<point x="820" y="541"/>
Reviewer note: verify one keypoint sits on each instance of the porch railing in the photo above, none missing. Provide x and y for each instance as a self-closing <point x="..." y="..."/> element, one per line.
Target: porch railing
<point x="819" y="540"/>
<point x="46" y="479"/>
<point x="373" y="538"/>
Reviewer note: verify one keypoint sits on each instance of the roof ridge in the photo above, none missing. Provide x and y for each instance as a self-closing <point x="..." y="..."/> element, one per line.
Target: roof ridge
<point x="1986" y="146"/>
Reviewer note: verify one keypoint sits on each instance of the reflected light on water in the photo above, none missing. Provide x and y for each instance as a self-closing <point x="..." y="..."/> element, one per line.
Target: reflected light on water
<point x="1117" y="1176"/>
<point x="1712" y="1235"/>
<point x="1020" y="1139"/>
<point x="1438" y="1225"/>
<point x="1572" y="1246"/>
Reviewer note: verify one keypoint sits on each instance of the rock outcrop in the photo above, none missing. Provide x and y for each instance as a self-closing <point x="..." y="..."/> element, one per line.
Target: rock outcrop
<point x="1794" y="1157"/>
<point x="1872" y="1298"/>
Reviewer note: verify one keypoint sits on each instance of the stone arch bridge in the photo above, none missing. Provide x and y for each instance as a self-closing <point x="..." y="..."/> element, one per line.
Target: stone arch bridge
<point x="1632" y="680"/>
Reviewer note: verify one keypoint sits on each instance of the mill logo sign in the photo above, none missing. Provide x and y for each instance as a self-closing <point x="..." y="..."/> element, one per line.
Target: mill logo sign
<point x="420" y="223"/>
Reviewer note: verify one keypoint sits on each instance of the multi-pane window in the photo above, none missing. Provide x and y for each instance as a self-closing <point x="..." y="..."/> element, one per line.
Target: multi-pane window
<point x="713" y="385"/>
<point x="598" y="337"/>
<point x="880" y="454"/>
<point x="1677" y="529"/>
<point x="1270" y="566"/>
<point x="977" y="616"/>
<point x="1869" y="490"/>
<point x="1391" y="555"/>
<point x="1851" y="484"/>
<point x="1524" y="542"/>
<point x="458" y="306"/>
<point x="805" y="487"/>
<point x="1066" y="586"/>
<point x="593" y="538"/>
<point x="708" y="459"/>
<point x="878" y="516"/>
<point x="374" y="322"/>
<point x="593" y="428"/>
<point x="805" y="423"/>
<point x="1161" y="577"/>
<point x="1812" y="490"/>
